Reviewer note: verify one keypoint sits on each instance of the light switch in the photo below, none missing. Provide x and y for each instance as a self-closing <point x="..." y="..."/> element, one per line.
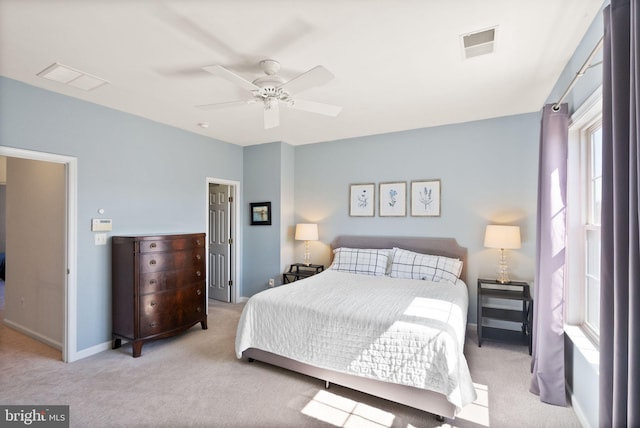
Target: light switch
<point x="101" y="238"/>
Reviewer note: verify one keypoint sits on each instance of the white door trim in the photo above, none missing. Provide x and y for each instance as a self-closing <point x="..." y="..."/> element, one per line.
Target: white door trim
<point x="69" y="337"/>
<point x="236" y="272"/>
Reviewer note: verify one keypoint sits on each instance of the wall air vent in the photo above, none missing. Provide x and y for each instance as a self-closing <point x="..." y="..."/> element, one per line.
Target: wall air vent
<point x="478" y="43"/>
<point x="72" y="77"/>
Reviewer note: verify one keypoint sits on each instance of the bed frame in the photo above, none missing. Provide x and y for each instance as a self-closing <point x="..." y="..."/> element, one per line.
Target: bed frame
<point x="421" y="399"/>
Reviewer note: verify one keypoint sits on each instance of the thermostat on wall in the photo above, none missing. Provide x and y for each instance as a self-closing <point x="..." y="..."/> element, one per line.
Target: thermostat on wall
<point x="101" y="225"/>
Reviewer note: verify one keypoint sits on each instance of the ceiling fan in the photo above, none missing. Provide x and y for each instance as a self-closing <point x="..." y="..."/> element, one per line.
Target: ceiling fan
<point x="272" y="90"/>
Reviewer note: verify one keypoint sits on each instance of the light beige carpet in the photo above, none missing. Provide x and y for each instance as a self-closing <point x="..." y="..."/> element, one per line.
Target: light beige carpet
<point x="195" y="380"/>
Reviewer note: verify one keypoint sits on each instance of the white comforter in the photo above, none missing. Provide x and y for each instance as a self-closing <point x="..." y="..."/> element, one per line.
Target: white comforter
<point x="402" y="331"/>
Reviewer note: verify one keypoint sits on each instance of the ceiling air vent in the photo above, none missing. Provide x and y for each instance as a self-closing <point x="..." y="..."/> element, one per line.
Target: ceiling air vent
<point x="72" y="77"/>
<point x="478" y="43"/>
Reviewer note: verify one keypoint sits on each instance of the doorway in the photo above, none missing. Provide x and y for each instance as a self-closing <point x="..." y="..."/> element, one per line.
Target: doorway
<point x="223" y="241"/>
<point x="68" y="308"/>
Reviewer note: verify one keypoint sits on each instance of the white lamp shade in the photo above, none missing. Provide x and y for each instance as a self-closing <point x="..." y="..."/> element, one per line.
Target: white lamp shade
<point x="306" y="232"/>
<point x="504" y="237"/>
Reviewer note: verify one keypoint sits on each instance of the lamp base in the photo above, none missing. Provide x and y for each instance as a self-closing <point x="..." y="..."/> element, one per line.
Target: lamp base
<point x="503" y="269"/>
<point x="307" y="254"/>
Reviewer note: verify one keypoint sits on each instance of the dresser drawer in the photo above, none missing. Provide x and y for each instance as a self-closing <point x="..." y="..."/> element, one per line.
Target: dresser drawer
<point x="168" y="310"/>
<point x="155" y="262"/>
<point x="154" y="282"/>
<point x="161" y="245"/>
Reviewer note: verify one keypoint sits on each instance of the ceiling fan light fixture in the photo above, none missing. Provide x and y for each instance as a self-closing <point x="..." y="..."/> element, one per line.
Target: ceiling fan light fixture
<point x="270" y="103"/>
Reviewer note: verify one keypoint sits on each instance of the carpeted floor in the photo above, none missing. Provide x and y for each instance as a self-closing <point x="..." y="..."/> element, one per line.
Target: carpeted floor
<point x="195" y="380"/>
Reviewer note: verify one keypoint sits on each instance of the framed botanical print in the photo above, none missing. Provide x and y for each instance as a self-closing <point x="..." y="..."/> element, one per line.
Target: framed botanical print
<point x="393" y="199"/>
<point x="260" y="213"/>
<point x="362" y="200"/>
<point x="425" y="198"/>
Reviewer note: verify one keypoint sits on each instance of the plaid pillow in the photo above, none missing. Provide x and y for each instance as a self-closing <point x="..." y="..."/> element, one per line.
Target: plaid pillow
<point x="363" y="261"/>
<point x="407" y="264"/>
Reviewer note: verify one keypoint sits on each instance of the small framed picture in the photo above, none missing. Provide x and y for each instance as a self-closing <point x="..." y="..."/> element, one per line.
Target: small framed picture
<point x="393" y="199"/>
<point x="260" y="213"/>
<point x="425" y="198"/>
<point x="362" y="200"/>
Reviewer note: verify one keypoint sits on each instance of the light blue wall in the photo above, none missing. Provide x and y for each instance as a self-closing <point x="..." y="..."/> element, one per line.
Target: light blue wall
<point x="268" y="250"/>
<point x="287" y="207"/>
<point x="488" y="172"/>
<point x="262" y="244"/>
<point x="591" y="79"/>
<point x="149" y="178"/>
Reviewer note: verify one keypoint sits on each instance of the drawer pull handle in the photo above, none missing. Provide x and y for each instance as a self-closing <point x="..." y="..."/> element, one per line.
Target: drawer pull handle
<point x="152" y="281"/>
<point x="199" y="292"/>
<point x="198" y="242"/>
<point x="198" y="256"/>
<point x="153" y="324"/>
<point x="152" y="262"/>
<point x="153" y="245"/>
<point x="198" y="273"/>
<point x="198" y="309"/>
<point x="152" y="304"/>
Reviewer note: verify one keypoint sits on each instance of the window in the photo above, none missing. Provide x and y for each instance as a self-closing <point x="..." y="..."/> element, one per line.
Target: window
<point x="592" y="186"/>
<point x="584" y="201"/>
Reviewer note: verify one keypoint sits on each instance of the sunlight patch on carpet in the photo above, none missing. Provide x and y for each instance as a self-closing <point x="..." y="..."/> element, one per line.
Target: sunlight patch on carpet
<point x="478" y="411"/>
<point x="343" y="412"/>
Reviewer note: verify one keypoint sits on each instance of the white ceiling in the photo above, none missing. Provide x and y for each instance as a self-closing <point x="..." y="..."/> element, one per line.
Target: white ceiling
<point x="398" y="65"/>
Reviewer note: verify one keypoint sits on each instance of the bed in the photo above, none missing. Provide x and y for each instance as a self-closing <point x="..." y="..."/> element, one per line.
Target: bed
<point x="368" y="324"/>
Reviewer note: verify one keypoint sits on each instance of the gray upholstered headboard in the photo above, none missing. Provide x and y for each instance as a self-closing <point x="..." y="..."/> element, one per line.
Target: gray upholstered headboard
<point x="447" y="247"/>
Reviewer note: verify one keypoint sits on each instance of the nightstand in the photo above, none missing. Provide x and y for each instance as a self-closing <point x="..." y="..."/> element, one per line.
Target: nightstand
<point x="517" y="291"/>
<point x="300" y="270"/>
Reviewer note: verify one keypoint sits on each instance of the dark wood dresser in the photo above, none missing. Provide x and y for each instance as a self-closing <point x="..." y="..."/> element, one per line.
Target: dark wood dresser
<point x="158" y="287"/>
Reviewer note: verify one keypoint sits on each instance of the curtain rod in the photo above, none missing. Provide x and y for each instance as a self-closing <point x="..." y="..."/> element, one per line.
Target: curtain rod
<point x="579" y="74"/>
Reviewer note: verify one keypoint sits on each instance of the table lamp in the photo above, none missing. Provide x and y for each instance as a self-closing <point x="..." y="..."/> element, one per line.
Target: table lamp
<point x="503" y="238"/>
<point x="306" y="232"/>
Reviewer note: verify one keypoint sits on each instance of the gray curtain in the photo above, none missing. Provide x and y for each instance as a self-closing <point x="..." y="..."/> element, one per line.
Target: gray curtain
<point x="620" y="260"/>
<point x="547" y="363"/>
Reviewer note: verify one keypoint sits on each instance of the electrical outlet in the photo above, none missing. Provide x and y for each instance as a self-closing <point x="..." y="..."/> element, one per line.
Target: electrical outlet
<point x="272" y="282"/>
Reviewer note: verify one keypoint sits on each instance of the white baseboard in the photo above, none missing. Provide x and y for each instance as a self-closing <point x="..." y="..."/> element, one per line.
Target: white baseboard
<point x="575" y="404"/>
<point x="91" y="351"/>
<point x="35" y="335"/>
<point x="75" y="356"/>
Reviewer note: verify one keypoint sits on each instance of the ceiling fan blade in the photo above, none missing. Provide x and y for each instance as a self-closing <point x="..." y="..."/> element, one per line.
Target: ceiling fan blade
<point x="315" y="107"/>
<point x="317" y="76"/>
<point x="218" y="70"/>
<point x="271" y="114"/>
<point x="227" y="104"/>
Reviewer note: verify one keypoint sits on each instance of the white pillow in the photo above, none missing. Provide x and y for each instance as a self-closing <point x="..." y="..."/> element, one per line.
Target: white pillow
<point x="407" y="264"/>
<point x="360" y="260"/>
